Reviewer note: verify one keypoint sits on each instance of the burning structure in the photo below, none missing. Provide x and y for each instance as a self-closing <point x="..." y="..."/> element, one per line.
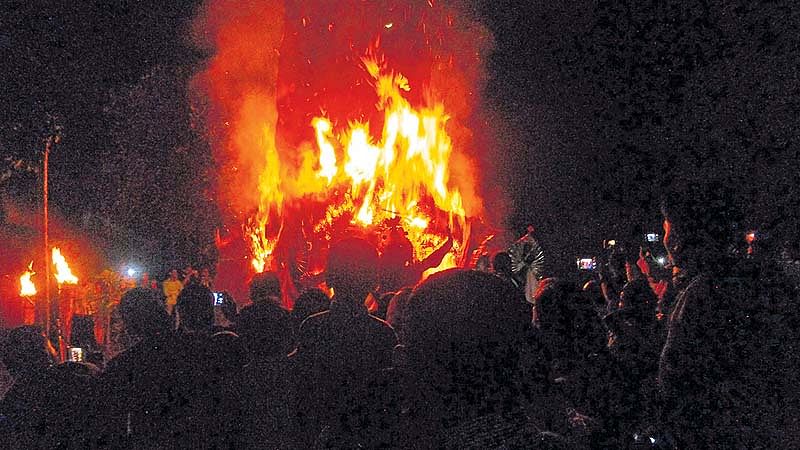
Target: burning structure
<point x="338" y="118"/>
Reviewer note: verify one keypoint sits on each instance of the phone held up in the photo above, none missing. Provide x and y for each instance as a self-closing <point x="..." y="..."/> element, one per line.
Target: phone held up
<point x="75" y="354"/>
<point x="219" y="299"/>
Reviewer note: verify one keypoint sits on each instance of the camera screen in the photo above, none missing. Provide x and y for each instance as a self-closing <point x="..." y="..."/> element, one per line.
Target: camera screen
<point x="586" y="263"/>
<point x="218" y="300"/>
<point x="75" y="354"/>
<point x="652" y="237"/>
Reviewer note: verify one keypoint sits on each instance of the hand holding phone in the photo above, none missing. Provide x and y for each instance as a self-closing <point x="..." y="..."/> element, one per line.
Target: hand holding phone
<point x="642" y="262"/>
<point x="75" y="354"/>
<point x="588" y="264"/>
<point x="219" y="299"/>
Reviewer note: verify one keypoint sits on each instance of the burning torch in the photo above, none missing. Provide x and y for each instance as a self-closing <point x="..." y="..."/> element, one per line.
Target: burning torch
<point x="27" y="291"/>
<point x="63" y="276"/>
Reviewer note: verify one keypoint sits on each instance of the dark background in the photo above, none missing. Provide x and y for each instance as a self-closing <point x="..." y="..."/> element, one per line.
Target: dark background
<point x="597" y="107"/>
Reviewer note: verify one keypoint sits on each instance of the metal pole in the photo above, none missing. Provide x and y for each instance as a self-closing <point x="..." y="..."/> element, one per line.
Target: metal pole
<point x="48" y="145"/>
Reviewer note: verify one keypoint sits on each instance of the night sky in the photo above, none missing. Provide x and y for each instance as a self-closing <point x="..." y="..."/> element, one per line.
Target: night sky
<point x="597" y="107"/>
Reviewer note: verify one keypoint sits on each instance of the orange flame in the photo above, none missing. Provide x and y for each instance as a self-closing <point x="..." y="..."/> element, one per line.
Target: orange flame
<point x="404" y="174"/>
<point x="63" y="272"/>
<point x="27" y="288"/>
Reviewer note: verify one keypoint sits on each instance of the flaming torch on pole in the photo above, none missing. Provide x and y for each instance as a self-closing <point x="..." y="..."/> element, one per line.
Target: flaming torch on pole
<point x="26" y="287"/>
<point x="27" y="291"/>
<point x="63" y="276"/>
<point x="63" y="272"/>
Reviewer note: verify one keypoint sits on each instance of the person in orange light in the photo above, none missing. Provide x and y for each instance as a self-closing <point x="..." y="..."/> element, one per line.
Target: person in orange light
<point x="172" y="287"/>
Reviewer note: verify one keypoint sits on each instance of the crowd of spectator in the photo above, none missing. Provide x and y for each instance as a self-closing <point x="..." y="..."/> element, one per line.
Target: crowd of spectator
<point x="704" y="359"/>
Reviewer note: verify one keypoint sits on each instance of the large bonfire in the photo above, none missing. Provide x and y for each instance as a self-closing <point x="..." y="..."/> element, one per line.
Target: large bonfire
<point x="337" y="118"/>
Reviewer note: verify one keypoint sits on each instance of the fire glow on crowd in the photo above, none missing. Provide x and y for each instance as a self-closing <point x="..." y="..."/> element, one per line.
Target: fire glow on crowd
<point x="329" y="123"/>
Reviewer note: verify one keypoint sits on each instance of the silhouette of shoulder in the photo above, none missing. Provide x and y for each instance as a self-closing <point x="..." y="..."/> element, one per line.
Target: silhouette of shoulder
<point x="332" y="321"/>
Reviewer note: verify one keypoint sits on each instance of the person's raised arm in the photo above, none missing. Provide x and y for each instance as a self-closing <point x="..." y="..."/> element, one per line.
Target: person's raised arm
<point x="436" y="258"/>
<point x="658" y="287"/>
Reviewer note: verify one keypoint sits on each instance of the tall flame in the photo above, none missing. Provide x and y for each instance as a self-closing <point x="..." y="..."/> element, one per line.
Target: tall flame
<point x="63" y="272"/>
<point x="403" y="175"/>
<point x="26" y="286"/>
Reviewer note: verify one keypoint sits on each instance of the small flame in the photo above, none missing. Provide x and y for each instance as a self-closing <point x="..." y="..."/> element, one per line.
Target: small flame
<point x="27" y="288"/>
<point x="63" y="272"/>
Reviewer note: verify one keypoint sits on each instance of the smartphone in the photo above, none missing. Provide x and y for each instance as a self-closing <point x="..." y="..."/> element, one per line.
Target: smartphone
<point x="219" y="300"/>
<point x="586" y="263"/>
<point x="75" y="354"/>
<point x="652" y="237"/>
<point x="608" y="244"/>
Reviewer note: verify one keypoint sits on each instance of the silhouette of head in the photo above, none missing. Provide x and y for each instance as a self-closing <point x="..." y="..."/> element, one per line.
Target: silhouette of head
<point x="461" y="328"/>
<point x="265" y="288"/>
<point x="265" y="330"/>
<point x="195" y="308"/>
<point x="630" y="327"/>
<point x="352" y="269"/>
<point x="565" y="317"/>
<point x="700" y="221"/>
<point x="502" y="263"/>
<point x="311" y="301"/>
<point x="143" y="312"/>
<point x="26" y="350"/>
<point x="82" y="333"/>
<point x="397" y="249"/>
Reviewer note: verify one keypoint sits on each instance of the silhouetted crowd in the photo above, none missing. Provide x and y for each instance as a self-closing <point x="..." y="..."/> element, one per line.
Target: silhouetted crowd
<point x="706" y="358"/>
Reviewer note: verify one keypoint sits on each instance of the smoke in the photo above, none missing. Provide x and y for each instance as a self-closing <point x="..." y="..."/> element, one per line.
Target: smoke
<point x="240" y="82"/>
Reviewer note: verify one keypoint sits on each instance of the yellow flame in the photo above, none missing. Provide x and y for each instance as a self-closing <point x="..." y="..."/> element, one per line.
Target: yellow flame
<point x="327" y="155"/>
<point x="271" y="202"/>
<point x="410" y="160"/>
<point x="405" y="172"/>
<point x="263" y="246"/>
<point x="417" y="222"/>
<point x="63" y="272"/>
<point x="27" y="288"/>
